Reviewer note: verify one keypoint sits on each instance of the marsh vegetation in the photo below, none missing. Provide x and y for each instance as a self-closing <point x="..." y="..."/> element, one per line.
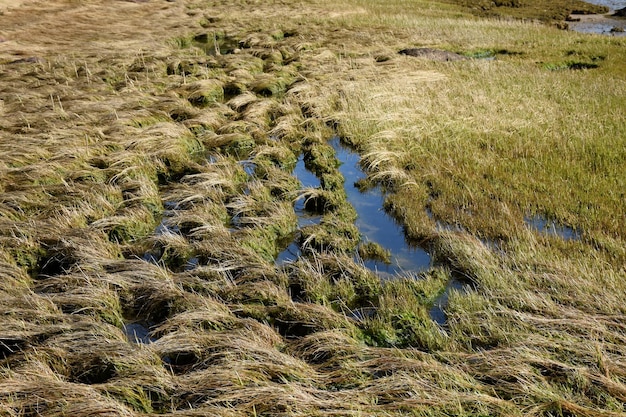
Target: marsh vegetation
<point x="147" y="188"/>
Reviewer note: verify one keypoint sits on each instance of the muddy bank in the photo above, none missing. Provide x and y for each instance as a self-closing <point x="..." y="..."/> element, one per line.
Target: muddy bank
<point x="611" y="22"/>
<point x="602" y="24"/>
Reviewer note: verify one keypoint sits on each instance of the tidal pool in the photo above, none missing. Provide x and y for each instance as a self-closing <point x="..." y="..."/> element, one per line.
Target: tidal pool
<point x="375" y="224"/>
<point x="291" y="245"/>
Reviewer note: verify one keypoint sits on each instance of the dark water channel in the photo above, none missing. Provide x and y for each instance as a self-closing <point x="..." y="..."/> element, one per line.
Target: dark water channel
<point x="437" y="312"/>
<point x="307" y="180"/>
<point x="164" y="227"/>
<point x="138" y="333"/>
<point x="212" y="44"/>
<point x="375" y="224"/>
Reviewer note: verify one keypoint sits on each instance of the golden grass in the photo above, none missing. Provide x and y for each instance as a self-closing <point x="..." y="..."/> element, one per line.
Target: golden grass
<point x="146" y="140"/>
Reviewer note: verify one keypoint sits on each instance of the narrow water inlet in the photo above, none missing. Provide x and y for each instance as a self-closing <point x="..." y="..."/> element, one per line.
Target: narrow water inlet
<point x="374" y="223"/>
<point x="437" y="312"/>
<point x="249" y="167"/>
<point x="306" y="177"/>
<point x="307" y="180"/>
<point x="162" y="228"/>
<point x="377" y="226"/>
<point x="290" y="253"/>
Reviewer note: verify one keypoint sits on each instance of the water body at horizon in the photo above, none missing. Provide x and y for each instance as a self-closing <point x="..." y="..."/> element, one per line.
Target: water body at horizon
<point x="601" y="24"/>
<point x="611" y="4"/>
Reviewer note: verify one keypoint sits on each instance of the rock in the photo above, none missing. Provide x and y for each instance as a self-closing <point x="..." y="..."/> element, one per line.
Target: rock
<point x="433" y="54"/>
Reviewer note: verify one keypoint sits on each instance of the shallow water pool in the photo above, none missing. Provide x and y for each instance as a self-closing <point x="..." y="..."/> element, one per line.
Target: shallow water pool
<point x="375" y="224"/>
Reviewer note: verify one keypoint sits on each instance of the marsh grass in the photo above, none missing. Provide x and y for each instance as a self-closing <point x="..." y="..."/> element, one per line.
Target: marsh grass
<point x="176" y="131"/>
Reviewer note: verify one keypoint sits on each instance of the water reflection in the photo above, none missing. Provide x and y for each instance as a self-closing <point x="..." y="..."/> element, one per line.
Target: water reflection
<point x="291" y="245"/>
<point x="308" y="180"/>
<point x="291" y="253"/>
<point x="437" y="311"/>
<point x="551" y="228"/>
<point x="375" y="224"/>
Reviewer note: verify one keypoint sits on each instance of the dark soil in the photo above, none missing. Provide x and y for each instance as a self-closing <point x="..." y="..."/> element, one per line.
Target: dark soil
<point x="545" y="11"/>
